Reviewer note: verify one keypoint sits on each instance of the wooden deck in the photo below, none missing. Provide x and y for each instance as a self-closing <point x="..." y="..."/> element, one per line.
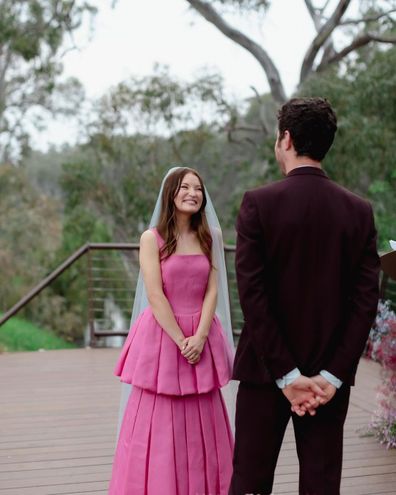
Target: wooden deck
<point x="58" y="419"/>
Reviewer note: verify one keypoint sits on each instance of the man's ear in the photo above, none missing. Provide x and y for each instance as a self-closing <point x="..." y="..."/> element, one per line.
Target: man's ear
<point x="287" y="140"/>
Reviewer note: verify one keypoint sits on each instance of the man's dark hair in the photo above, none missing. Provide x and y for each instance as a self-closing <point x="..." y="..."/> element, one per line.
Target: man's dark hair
<point x="312" y="125"/>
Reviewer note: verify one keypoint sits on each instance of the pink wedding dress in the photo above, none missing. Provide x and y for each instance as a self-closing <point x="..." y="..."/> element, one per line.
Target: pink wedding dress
<point x="175" y="438"/>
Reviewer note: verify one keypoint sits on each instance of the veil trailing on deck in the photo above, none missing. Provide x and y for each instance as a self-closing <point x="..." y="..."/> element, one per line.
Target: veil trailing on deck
<point x="223" y="301"/>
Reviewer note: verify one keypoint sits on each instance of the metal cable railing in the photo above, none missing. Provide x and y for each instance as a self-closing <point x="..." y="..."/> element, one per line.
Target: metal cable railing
<point x="112" y="278"/>
<point x="111" y="271"/>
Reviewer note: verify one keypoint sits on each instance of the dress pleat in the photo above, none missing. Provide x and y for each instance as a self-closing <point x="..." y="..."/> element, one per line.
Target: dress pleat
<point x="211" y="472"/>
<point x="224" y="442"/>
<point x="161" y="460"/>
<point x="180" y="445"/>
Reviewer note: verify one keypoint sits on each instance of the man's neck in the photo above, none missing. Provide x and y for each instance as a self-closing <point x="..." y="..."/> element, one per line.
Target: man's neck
<point x="301" y="162"/>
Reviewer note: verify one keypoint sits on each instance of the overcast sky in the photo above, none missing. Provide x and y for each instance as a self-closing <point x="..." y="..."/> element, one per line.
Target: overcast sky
<point x="133" y="36"/>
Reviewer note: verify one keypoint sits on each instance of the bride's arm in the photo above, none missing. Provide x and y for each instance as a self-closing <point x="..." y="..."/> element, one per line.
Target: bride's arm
<point x="151" y="270"/>
<point x="195" y="344"/>
<point x="208" y="307"/>
<point x="210" y="299"/>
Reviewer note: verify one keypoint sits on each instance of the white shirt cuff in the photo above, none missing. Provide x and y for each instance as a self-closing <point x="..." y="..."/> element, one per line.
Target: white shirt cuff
<point x="288" y="378"/>
<point x="331" y="378"/>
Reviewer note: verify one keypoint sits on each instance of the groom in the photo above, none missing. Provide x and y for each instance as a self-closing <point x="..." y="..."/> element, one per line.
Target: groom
<point x="307" y="270"/>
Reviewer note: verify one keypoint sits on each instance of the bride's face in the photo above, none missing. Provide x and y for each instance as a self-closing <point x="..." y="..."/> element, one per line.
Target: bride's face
<point x="190" y="195"/>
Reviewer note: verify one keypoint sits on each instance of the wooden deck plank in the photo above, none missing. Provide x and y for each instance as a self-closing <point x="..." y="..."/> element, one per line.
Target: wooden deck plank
<point x="58" y="419"/>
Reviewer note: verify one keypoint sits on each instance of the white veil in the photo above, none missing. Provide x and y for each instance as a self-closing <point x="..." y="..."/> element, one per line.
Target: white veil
<point x="223" y="301"/>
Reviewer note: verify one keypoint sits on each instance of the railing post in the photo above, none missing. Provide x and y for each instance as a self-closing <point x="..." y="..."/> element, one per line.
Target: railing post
<point x="91" y="314"/>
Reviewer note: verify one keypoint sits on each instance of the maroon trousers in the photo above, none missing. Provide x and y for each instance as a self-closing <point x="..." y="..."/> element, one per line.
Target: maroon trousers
<point x="262" y="415"/>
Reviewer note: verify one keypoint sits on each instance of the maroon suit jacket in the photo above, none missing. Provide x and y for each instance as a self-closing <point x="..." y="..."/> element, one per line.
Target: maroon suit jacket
<point x="307" y="270"/>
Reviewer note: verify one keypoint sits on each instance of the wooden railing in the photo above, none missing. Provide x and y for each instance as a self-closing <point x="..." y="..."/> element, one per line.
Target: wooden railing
<point x="111" y="273"/>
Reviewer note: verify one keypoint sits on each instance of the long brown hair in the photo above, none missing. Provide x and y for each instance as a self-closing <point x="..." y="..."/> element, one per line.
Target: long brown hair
<point x="167" y="222"/>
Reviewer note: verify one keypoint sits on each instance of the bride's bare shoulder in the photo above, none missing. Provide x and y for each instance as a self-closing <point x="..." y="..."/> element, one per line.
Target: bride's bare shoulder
<point x="148" y="239"/>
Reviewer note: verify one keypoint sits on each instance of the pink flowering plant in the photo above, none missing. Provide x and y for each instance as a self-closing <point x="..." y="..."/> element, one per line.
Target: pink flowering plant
<point x="383" y="424"/>
<point x="385" y="317"/>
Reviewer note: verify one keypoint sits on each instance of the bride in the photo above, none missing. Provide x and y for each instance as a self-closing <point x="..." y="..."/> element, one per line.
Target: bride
<point x="175" y="436"/>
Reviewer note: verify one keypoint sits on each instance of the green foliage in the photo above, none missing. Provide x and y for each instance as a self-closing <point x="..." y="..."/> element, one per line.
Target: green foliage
<point x="43" y="170"/>
<point x="21" y="335"/>
<point x="113" y="186"/>
<point x="104" y="190"/>
<point x="32" y="33"/>
<point x="161" y="104"/>
<point x="61" y="309"/>
<point x="29" y="234"/>
<point x="363" y="156"/>
<point x="31" y="245"/>
<point x="119" y="175"/>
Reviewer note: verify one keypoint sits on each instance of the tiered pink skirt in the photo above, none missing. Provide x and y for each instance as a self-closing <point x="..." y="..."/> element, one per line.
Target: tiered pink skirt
<point x="151" y="360"/>
<point x="175" y="438"/>
<point x="171" y="445"/>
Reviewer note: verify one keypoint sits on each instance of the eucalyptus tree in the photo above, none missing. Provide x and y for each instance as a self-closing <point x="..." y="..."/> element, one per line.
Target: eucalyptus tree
<point x="338" y="34"/>
<point x="34" y="35"/>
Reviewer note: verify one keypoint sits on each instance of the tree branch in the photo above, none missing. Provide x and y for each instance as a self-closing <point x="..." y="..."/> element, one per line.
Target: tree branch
<point x="317" y="13"/>
<point x="328" y="52"/>
<point x="372" y="18"/>
<point x="321" y="37"/>
<point x="325" y="5"/>
<point x="315" y="17"/>
<point x="328" y="46"/>
<point x="358" y="43"/>
<point x="262" y="123"/>
<point x="272" y="73"/>
<point x="240" y="142"/>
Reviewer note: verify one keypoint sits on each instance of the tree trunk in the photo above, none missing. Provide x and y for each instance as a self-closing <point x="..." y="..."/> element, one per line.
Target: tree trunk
<point x="270" y="69"/>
